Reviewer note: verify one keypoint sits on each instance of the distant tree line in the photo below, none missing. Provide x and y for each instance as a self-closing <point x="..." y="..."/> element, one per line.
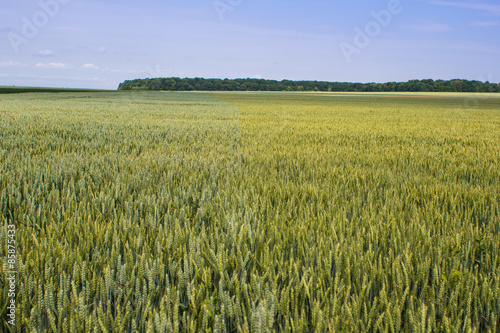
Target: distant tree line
<point x="188" y="84"/>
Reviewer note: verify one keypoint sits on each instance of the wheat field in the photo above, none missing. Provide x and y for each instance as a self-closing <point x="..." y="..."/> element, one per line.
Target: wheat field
<point x="251" y="212"/>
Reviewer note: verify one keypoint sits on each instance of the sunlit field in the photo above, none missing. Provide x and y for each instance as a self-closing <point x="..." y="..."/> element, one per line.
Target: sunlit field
<point x="252" y="212"/>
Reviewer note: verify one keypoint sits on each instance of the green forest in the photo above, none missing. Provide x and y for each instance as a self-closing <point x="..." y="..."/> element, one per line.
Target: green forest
<point x="189" y="84"/>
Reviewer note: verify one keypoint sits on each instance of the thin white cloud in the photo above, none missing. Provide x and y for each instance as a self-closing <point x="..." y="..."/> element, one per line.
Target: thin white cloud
<point x="126" y="71"/>
<point x="68" y="28"/>
<point x="48" y="77"/>
<point x="425" y="25"/>
<point x="457" y="47"/>
<point x="90" y="66"/>
<point x="45" y="53"/>
<point x="12" y="64"/>
<point x="431" y="27"/>
<point x="491" y="9"/>
<point x="53" y="65"/>
<point x="485" y="24"/>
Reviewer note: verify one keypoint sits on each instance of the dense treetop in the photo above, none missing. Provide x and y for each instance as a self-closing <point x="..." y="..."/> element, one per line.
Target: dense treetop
<point x="187" y="84"/>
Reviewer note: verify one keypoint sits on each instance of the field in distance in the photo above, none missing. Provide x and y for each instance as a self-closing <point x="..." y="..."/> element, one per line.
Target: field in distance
<point x="252" y="212"/>
<point x="20" y="90"/>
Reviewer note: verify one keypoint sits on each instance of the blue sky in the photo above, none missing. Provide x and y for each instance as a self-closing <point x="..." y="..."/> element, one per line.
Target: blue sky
<point x="100" y="43"/>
